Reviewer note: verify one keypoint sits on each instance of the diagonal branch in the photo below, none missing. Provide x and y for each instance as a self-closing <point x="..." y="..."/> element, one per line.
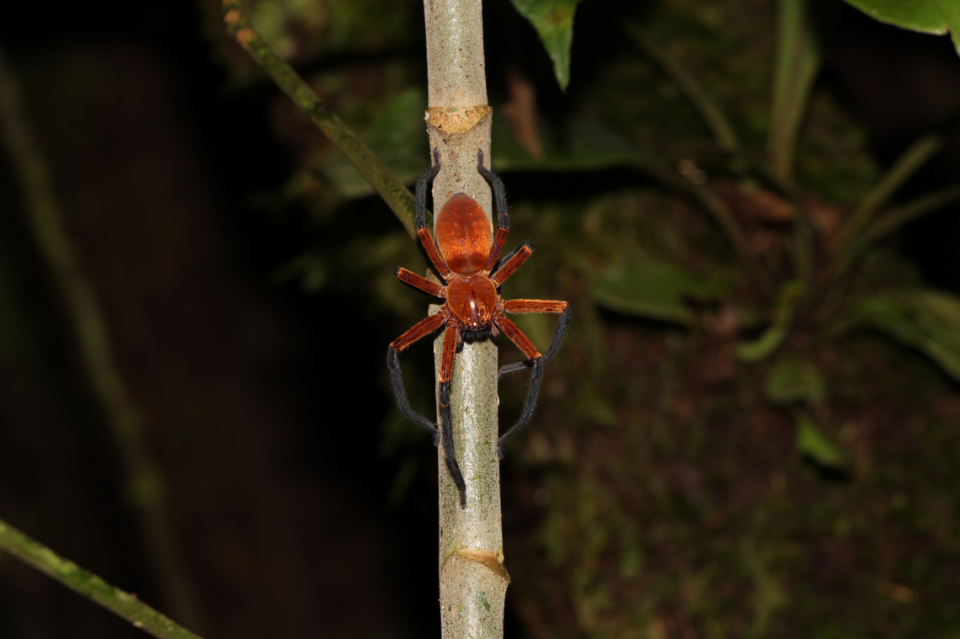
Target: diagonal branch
<point x="902" y="170"/>
<point x="89" y="585"/>
<point x="392" y="190"/>
<point x="895" y="218"/>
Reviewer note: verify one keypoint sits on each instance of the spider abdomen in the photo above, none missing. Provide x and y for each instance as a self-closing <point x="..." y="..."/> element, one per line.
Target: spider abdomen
<point x="473" y="300"/>
<point x="463" y="234"/>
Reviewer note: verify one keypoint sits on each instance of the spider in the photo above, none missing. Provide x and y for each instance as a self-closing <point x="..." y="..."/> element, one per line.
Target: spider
<point x="473" y="311"/>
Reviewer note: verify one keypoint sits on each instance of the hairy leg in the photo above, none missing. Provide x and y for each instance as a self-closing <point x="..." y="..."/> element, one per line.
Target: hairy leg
<point x="426" y="238"/>
<point x="523" y="342"/>
<point x="450" y="342"/>
<point x="420" y="330"/>
<point x="503" y="219"/>
<point x="539" y="306"/>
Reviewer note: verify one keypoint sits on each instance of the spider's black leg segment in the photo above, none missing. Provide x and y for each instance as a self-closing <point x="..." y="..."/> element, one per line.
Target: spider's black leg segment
<point x="450" y="341"/>
<point x="536" y="359"/>
<point x="400" y="393"/>
<point x="533" y="390"/>
<point x="422" y="185"/>
<point x="558" y="336"/>
<point x="426" y="238"/>
<point x="449" y="451"/>
<point x="503" y="220"/>
<point x="420" y="329"/>
<point x="539" y="306"/>
<point x="499" y="192"/>
<point x="513" y="368"/>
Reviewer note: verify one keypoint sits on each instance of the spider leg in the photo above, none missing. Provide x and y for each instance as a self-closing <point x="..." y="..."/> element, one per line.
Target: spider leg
<point x="426" y="238"/>
<point x="420" y="329"/>
<point x="533" y="390"/>
<point x="539" y="306"/>
<point x="503" y="220"/>
<point x="512" y="263"/>
<point x="450" y="341"/>
<point x="422" y="184"/>
<point x="419" y="281"/>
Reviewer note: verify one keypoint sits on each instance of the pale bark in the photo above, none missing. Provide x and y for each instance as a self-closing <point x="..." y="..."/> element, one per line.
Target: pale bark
<point x="473" y="580"/>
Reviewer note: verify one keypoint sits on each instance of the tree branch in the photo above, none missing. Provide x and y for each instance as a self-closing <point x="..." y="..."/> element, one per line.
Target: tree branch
<point x="89" y="585"/>
<point x="392" y="190"/>
<point x="473" y="581"/>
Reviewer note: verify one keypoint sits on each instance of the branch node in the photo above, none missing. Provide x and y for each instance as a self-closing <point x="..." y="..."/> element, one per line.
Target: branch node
<point x="492" y="562"/>
<point x="456" y="119"/>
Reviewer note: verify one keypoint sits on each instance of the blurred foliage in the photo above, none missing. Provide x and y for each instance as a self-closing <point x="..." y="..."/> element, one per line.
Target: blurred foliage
<point x="305" y="30"/>
<point x="661" y="491"/>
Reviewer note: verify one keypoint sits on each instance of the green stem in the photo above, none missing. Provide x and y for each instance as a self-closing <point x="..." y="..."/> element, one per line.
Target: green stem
<point x="798" y="61"/>
<point x="391" y="189"/>
<point x="902" y="170"/>
<point x="858" y="231"/>
<point x="895" y="218"/>
<point x="89" y="585"/>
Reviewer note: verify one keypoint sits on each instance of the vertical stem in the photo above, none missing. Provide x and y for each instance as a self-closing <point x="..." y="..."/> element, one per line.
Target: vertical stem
<point x="797" y="65"/>
<point x="473" y="581"/>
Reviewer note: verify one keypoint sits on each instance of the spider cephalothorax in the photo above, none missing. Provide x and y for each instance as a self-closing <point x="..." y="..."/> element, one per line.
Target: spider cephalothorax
<point x="464" y="256"/>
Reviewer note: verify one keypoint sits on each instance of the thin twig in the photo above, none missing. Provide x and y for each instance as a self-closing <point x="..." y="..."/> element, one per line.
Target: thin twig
<point x="391" y="189"/>
<point x="89" y="585"/>
<point x="895" y="218"/>
<point x="858" y="232"/>
<point x="144" y="479"/>
<point x="902" y="170"/>
<point x="888" y="223"/>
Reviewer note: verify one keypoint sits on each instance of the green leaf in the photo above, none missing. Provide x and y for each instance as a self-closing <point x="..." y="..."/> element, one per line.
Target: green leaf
<point x="654" y="288"/>
<point x="926" y="16"/>
<point x="553" y="20"/>
<point x="814" y="445"/>
<point x="926" y="320"/>
<point x="793" y="380"/>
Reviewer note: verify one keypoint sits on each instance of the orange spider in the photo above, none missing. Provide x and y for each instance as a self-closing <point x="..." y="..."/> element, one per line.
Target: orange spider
<point x="464" y="256"/>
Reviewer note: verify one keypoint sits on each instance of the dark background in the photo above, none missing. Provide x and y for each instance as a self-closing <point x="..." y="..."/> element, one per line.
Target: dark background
<point x="294" y="506"/>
